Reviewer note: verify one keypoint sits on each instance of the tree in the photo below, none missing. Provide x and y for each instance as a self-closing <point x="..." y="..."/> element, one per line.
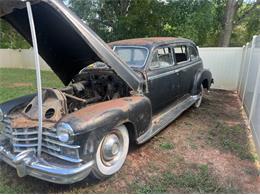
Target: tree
<point x="9" y="38"/>
<point x="231" y="18"/>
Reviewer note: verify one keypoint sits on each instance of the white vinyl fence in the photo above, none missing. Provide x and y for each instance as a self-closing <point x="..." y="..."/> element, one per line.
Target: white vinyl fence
<point x="249" y="86"/>
<point x="224" y="63"/>
<point x="19" y="58"/>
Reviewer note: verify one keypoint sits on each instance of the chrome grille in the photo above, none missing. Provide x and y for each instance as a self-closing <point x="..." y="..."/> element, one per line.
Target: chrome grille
<point x="27" y="138"/>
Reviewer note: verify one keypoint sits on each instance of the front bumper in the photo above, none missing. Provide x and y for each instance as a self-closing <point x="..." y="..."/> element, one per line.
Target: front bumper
<point x="27" y="163"/>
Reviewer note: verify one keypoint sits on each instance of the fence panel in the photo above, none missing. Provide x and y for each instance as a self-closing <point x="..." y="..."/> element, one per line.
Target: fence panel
<point x="19" y="58"/>
<point x="249" y="91"/>
<point x="224" y="63"/>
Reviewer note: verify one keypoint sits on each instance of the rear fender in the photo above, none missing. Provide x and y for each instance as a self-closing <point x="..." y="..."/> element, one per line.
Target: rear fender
<point x="202" y="76"/>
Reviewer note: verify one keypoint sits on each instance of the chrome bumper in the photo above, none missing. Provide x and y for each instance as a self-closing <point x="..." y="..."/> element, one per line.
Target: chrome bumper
<point x="26" y="163"/>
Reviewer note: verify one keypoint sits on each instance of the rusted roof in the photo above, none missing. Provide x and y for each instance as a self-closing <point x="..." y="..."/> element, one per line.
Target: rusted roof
<point x="144" y="41"/>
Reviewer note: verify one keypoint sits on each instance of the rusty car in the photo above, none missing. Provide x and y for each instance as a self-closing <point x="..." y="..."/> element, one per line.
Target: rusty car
<point x="115" y="95"/>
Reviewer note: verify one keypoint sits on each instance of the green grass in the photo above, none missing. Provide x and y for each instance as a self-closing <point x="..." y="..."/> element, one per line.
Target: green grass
<point x="199" y="180"/>
<point x="166" y="146"/>
<point x="231" y="138"/>
<point x="19" y="82"/>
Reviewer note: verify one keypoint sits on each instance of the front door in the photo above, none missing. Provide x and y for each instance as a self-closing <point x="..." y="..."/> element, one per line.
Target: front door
<point x="163" y="82"/>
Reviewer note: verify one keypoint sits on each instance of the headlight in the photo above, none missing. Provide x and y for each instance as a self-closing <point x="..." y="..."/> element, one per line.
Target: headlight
<point x="64" y="132"/>
<point x="1" y="115"/>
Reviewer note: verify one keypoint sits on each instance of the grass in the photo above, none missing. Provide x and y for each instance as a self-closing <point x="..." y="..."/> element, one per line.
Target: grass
<point x="199" y="180"/>
<point x="166" y="146"/>
<point x="231" y="138"/>
<point x="19" y="82"/>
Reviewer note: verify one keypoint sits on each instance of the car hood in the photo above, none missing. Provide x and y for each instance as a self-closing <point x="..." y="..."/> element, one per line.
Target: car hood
<point x="65" y="42"/>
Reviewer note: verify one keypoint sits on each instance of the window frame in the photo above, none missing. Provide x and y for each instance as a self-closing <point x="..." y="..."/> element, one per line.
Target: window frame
<point x="135" y="47"/>
<point x="196" y="50"/>
<point x="155" y="50"/>
<point x="187" y="53"/>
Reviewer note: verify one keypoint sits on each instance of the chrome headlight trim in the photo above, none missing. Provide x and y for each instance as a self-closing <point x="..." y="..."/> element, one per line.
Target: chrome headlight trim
<point x="64" y="132"/>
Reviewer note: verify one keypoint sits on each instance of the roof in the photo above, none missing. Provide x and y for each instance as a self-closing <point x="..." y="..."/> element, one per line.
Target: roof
<point x="147" y="41"/>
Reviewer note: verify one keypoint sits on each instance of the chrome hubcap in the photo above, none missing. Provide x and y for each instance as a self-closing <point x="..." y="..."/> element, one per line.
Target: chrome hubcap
<point x="111" y="149"/>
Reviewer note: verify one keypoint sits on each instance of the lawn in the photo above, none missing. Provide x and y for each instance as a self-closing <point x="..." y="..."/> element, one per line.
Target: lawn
<point x="19" y="82"/>
<point x="206" y="150"/>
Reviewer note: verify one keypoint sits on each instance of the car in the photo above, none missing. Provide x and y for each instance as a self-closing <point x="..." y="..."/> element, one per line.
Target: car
<point x="115" y="95"/>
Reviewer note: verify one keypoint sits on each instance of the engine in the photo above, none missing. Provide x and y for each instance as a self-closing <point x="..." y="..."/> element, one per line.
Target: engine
<point x="88" y="87"/>
<point x="93" y="86"/>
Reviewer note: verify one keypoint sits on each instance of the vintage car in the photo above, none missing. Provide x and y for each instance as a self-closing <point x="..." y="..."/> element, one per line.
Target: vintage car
<point x="116" y="95"/>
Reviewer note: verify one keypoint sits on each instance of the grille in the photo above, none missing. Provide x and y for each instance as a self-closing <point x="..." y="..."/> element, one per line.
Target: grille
<point x="27" y="138"/>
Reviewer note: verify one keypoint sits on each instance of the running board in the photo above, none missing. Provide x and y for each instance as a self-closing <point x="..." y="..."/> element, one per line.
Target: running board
<point x="164" y="118"/>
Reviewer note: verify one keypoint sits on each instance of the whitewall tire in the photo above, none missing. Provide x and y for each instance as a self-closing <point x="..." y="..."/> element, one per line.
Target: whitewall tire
<point x="198" y="102"/>
<point x="111" y="152"/>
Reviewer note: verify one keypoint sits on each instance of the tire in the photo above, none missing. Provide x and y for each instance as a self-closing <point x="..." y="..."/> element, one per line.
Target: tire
<point x="199" y="101"/>
<point x="111" y="153"/>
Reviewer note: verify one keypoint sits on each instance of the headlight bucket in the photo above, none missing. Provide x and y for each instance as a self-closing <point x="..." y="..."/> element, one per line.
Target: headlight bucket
<point x="64" y="132"/>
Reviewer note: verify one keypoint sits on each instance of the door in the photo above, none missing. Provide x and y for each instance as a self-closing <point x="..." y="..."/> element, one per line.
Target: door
<point x="187" y="64"/>
<point x="162" y="81"/>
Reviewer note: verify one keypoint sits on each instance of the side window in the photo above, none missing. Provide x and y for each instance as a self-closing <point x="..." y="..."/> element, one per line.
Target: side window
<point x="162" y="58"/>
<point x="193" y="53"/>
<point x="181" y="54"/>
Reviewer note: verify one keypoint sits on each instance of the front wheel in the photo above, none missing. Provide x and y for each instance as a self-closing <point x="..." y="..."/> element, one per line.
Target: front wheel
<point x="111" y="153"/>
<point x="198" y="102"/>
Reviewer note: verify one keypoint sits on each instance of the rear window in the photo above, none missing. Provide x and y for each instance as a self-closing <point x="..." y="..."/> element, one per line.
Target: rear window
<point x="181" y="53"/>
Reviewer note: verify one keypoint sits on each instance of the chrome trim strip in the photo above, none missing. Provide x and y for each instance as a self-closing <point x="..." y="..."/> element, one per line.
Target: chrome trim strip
<point x="173" y="71"/>
<point x="24" y="145"/>
<point x="51" y="147"/>
<point x="25" y="133"/>
<point x="25" y="139"/>
<point x="73" y="160"/>
<point x="61" y="144"/>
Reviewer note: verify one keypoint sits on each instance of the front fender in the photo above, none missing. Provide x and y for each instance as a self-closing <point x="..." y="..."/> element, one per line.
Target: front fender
<point x="8" y="106"/>
<point x="202" y="76"/>
<point x="102" y="117"/>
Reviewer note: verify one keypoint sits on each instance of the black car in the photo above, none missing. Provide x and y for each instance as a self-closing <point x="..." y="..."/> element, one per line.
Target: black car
<point x="116" y="94"/>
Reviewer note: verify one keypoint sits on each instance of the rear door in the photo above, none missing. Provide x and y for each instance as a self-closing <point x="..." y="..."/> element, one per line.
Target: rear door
<point x="162" y="81"/>
<point x="187" y="64"/>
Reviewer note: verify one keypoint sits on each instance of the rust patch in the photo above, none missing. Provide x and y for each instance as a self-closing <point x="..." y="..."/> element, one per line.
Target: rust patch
<point x="21" y="121"/>
<point x="91" y="111"/>
<point x="142" y="41"/>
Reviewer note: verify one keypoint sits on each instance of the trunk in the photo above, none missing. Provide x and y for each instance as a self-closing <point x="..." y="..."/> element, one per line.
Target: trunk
<point x="230" y="12"/>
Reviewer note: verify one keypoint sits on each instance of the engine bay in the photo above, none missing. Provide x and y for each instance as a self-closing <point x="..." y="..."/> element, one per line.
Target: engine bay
<point x="88" y="87"/>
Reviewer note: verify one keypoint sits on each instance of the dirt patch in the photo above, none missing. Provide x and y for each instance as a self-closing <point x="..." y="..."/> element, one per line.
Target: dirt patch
<point x="187" y="156"/>
<point x="20" y="84"/>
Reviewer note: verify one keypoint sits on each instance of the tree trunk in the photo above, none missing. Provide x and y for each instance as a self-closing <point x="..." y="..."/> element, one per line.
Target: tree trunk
<point x="230" y="11"/>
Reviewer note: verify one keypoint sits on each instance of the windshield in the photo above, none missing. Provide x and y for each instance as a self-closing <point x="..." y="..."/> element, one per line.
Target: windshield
<point x="133" y="56"/>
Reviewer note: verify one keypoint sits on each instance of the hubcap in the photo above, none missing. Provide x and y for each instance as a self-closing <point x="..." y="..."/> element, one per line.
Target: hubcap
<point x="111" y="148"/>
<point x="112" y="151"/>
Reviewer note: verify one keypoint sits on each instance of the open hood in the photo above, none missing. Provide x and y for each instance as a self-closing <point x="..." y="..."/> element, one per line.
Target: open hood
<point x="65" y="42"/>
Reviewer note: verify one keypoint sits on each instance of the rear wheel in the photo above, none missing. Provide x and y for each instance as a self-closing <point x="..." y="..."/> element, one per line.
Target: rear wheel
<point x="198" y="102"/>
<point x="111" y="153"/>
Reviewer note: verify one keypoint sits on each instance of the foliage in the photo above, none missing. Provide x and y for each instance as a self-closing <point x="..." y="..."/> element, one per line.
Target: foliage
<point x="199" y="20"/>
<point x="9" y="38"/>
